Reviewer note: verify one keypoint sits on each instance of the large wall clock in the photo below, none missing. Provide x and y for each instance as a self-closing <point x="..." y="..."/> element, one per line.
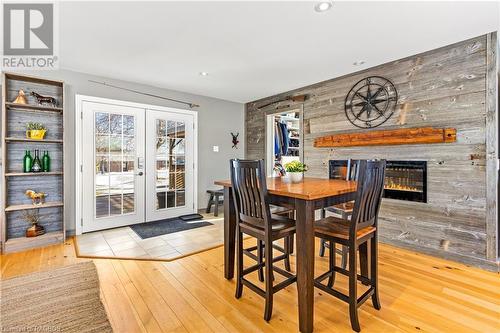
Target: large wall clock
<point x="371" y="102"/>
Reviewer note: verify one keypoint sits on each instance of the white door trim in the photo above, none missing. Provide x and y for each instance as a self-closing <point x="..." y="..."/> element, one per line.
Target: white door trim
<point x="79" y="99"/>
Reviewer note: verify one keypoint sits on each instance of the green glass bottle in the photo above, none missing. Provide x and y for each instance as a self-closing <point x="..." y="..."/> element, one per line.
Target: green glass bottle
<point x="46" y="162"/>
<point x="37" y="165"/>
<point x="27" y="161"/>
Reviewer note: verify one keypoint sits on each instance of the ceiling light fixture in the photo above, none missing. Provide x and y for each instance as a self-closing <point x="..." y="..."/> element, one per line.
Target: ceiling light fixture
<point x="203" y="73"/>
<point x="359" y="63"/>
<point x="323" y="6"/>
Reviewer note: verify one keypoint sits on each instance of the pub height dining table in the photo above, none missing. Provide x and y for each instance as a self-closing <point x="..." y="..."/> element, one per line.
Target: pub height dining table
<point x="306" y="196"/>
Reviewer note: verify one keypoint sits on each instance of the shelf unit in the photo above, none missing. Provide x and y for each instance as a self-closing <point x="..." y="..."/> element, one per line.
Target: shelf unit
<point x="13" y="208"/>
<point x="14" y="181"/>
<point x="33" y="140"/>
<point x="33" y="108"/>
<point x="29" y="174"/>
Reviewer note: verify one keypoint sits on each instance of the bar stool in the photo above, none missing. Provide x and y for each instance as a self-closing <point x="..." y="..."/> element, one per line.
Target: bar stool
<point x="354" y="233"/>
<point x="254" y="218"/>
<point x="344" y="210"/>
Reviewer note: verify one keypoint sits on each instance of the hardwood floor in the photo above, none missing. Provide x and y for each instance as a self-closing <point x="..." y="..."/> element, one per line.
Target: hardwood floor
<point x="418" y="293"/>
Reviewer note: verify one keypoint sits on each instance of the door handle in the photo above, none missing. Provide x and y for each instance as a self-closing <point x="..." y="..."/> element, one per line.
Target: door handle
<point x="140" y="173"/>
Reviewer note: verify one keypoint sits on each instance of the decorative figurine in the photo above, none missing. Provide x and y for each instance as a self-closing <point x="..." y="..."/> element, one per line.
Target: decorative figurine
<point x="34" y="218"/>
<point x="235" y="140"/>
<point x="37" y="198"/>
<point x="21" y="98"/>
<point x="44" y="99"/>
<point x="35" y="131"/>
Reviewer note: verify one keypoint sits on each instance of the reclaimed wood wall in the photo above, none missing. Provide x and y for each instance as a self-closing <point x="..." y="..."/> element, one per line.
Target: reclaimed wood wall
<point x="446" y="87"/>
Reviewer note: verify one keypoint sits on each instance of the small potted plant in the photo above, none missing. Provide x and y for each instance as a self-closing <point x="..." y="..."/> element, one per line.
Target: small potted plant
<point x="295" y="171"/>
<point x="35" y="131"/>
<point x="33" y="218"/>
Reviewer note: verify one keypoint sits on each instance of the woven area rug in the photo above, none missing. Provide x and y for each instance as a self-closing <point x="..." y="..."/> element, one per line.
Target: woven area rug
<point x="60" y="300"/>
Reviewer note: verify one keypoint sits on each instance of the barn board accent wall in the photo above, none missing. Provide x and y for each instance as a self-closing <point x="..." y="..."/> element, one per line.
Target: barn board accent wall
<point x="454" y="86"/>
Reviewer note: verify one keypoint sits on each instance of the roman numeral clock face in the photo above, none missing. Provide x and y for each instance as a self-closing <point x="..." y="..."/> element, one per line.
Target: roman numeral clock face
<point x="371" y="102"/>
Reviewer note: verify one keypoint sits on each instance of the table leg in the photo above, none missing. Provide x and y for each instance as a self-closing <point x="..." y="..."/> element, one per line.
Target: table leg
<point x="229" y="233"/>
<point x="305" y="263"/>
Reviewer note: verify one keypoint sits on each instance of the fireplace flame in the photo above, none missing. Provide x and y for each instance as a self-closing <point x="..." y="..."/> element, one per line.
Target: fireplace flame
<point x="399" y="187"/>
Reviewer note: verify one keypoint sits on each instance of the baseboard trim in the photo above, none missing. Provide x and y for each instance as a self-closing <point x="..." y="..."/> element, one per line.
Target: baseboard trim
<point x="492" y="266"/>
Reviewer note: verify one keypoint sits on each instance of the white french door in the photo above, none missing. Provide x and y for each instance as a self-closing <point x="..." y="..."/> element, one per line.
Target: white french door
<point x="113" y="162"/>
<point x="137" y="165"/>
<point x="169" y="165"/>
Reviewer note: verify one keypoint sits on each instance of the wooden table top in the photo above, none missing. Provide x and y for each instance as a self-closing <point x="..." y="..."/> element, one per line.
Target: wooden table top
<point x="308" y="189"/>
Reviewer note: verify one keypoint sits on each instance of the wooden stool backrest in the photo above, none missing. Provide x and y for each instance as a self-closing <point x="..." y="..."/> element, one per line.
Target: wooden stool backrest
<point x="368" y="195"/>
<point x="250" y="196"/>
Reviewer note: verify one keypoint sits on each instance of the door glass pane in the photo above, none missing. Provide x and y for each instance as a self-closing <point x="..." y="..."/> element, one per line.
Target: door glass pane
<point x="115" y="158"/>
<point x="178" y="147"/>
<point x="128" y="184"/>
<point x="115" y="144"/>
<point x="179" y="163"/>
<point x="171" y="129"/>
<point x="115" y="191"/>
<point x="179" y="180"/>
<point x="102" y="186"/>
<point x="129" y="145"/>
<point x="160" y="200"/>
<point x="102" y="143"/>
<point x="102" y="123"/>
<point x="128" y="125"/>
<point x="161" y="128"/>
<point x="115" y="123"/>
<point x="180" y="130"/>
<point x="161" y="147"/>
<point x="180" y="199"/>
<point x="170" y="199"/>
<point x="170" y="163"/>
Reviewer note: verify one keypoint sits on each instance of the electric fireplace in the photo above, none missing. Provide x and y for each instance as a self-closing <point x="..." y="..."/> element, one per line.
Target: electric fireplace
<point x="404" y="180"/>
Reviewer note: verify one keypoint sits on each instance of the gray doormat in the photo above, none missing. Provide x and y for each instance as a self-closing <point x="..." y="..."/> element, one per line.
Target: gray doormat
<point x="166" y="226"/>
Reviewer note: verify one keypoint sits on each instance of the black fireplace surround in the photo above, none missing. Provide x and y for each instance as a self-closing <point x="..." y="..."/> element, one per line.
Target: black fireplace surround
<point x="404" y="180"/>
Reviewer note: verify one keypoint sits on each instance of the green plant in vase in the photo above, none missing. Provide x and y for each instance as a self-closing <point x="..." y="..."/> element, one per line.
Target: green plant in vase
<point x="35" y="131"/>
<point x="295" y="171"/>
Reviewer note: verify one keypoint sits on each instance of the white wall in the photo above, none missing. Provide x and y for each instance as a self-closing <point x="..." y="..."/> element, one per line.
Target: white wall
<point x="216" y="120"/>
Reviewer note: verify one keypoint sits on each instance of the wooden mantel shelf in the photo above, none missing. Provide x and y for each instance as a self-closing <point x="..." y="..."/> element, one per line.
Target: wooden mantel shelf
<point x="403" y="136"/>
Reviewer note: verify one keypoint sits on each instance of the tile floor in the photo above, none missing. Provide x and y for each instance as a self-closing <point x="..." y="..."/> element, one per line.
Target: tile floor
<point x="125" y="243"/>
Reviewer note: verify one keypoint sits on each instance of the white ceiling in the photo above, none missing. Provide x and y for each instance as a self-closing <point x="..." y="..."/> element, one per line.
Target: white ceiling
<point x="255" y="49"/>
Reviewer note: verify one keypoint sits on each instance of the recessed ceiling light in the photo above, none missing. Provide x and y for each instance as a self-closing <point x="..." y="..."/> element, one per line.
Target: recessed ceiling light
<point x="203" y="73"/>
<point x="358" y="63"/>
<point x="323" y="6"/>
